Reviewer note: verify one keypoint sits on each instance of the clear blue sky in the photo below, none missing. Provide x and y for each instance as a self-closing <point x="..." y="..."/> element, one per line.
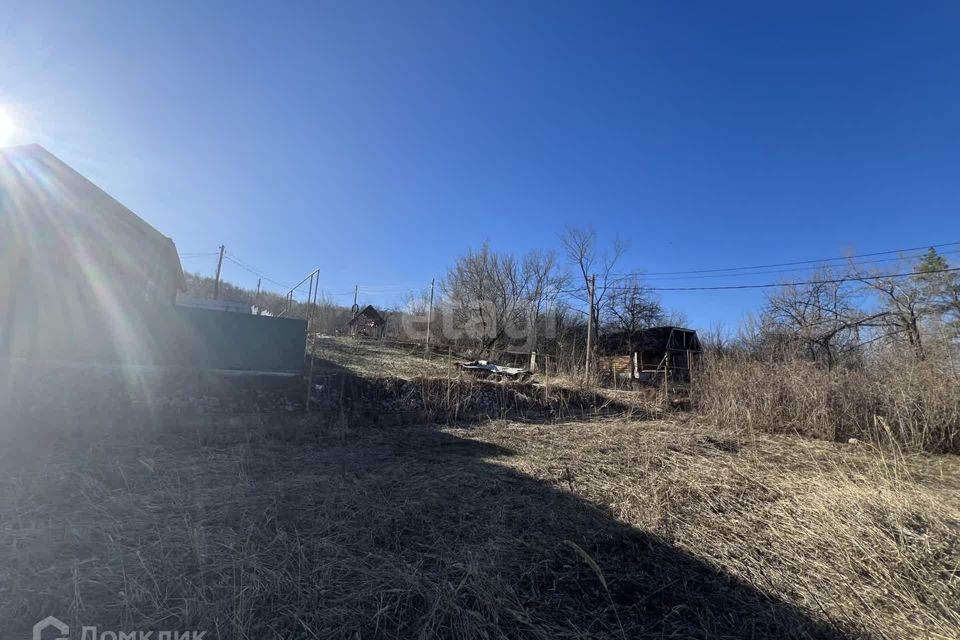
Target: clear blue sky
<point x="379" y="140"/>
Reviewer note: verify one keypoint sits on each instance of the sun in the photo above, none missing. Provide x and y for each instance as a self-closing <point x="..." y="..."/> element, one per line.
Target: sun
<point x="7" y="127"/>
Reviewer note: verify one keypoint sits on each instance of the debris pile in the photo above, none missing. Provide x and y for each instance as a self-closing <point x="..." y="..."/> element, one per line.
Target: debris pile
<point x="491" y="371"/>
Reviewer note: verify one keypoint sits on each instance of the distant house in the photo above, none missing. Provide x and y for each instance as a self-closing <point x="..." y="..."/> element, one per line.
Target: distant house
<point x="643" y="354"/>
<point x="74" y="262"/>
<point x="367" y="322"/>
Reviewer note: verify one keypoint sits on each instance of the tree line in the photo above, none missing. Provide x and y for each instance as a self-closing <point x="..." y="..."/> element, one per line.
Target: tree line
<point x="842" y="317"/>
<point x="491" y="301"/>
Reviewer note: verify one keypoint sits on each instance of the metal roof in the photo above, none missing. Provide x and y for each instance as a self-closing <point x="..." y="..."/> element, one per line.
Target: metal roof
<point x="652" y="339"/>
<point x="65" y="209"/>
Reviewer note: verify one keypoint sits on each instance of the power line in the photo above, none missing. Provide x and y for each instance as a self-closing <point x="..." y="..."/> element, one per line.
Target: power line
<point x="758" y="273"/>
<point x="254" y="271"/>
<point x="387" y="288"/>
<point x="783" y="284"/>
<point x="788" y="264"/>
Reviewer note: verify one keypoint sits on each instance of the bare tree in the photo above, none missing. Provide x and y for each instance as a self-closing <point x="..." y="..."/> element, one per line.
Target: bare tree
<point x="580" y="245"/>
<point x="502" y="298"/>
<point x="818" y="318"/>
<point x="632" y="307"/>
<point x="329" y="317"/>
<point x="413" y="320"/>
<point x="486" y="293"/>
<point x="902" y="307"/>
<point x="545" y="283"/>
<point x="717" y="341"/>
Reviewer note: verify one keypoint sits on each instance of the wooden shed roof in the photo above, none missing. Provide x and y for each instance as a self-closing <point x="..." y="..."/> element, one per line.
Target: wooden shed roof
<point x="370" y="314"/>
<point x="652" y="339"/>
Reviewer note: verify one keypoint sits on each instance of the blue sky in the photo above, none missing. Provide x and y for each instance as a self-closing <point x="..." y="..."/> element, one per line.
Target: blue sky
<point x="377" y="141"/>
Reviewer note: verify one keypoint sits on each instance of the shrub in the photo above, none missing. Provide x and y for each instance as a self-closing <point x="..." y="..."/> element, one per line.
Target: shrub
<point x="893" y="400"/>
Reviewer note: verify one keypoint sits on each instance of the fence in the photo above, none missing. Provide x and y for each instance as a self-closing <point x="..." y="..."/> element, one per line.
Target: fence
<point x="154" y="335"/>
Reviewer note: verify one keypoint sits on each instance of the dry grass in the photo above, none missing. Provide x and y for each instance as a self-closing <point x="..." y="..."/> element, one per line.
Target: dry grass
<point x="323" y="528"/>
<point x="398" y="378"/>
<point x="868" y="543"/>
<point x="255" y="526"/>
<point x="892" y="403"/>
<point x="380" y="359"/>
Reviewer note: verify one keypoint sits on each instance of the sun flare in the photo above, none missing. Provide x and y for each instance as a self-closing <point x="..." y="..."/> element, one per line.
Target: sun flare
<point x="7" y="127"/>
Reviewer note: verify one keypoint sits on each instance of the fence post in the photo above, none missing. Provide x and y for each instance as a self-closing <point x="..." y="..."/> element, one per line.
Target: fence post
<point x="666" y="381"/>
<point x="313" y="349"/>
<point x="546" y="377"/>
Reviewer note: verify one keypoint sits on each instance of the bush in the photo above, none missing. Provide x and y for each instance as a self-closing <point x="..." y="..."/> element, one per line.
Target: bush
<point x="893" y="401"/>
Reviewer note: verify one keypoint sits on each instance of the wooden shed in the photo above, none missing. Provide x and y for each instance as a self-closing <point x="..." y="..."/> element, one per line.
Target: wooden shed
<point x="648" y="353"/>
<point x="367" y="322"/>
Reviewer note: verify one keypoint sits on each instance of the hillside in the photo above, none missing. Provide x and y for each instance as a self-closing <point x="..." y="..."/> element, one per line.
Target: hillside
<point x="323" y="525"/>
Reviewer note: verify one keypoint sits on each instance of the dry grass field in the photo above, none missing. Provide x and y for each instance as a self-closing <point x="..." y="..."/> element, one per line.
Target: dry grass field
<point x="323" y="526"/>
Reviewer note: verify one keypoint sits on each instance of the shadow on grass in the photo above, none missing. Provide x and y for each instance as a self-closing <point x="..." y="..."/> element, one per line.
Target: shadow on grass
<point x="322" y="527"/>
<point x="462" y="400"/>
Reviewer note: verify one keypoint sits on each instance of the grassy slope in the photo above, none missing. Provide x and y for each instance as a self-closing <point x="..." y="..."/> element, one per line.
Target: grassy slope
<point x="247" y="526"/>
<point x="373" y="359"/>
<point x="865" y="542"/>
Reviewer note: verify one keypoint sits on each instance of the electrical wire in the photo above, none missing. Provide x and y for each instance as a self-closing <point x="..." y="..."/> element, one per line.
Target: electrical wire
<point x="789" y="264"/>
<point x="254" y="271"/>
<point x="782" y="284"/>
<point x="775" y="271"/>
<point x="386" y="289"/>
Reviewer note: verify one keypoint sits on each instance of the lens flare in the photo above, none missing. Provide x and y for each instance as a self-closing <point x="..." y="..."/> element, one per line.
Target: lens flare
<point x="7" y="127"/>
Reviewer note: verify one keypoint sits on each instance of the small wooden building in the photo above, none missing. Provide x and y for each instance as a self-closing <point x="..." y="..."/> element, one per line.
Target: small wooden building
<point x="648" y="353"/>
<point x="367" y="322"/>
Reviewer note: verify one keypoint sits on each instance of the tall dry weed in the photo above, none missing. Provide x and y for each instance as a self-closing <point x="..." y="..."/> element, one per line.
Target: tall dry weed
<point x="892" y="401"/>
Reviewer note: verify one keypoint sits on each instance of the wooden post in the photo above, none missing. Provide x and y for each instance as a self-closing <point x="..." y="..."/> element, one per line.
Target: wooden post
<point x="313" y="350"/>
<point x="430" y="314"/>
<point x="590" y="287"/>
<point x="309" y="296"/>
<point x="546" y="377"/>
<point x="666" y="372"/>
<point x="216" y="281"/>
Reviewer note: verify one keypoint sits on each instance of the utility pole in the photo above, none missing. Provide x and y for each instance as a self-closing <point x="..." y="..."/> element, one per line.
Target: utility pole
<point x="216" y="282"/>
<point x="430" y="314"/>
<point x="591" y="286"/>
<point x="355" y="308"/>
<point x="256" y="300"/>
<point x="312" y="335"/>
